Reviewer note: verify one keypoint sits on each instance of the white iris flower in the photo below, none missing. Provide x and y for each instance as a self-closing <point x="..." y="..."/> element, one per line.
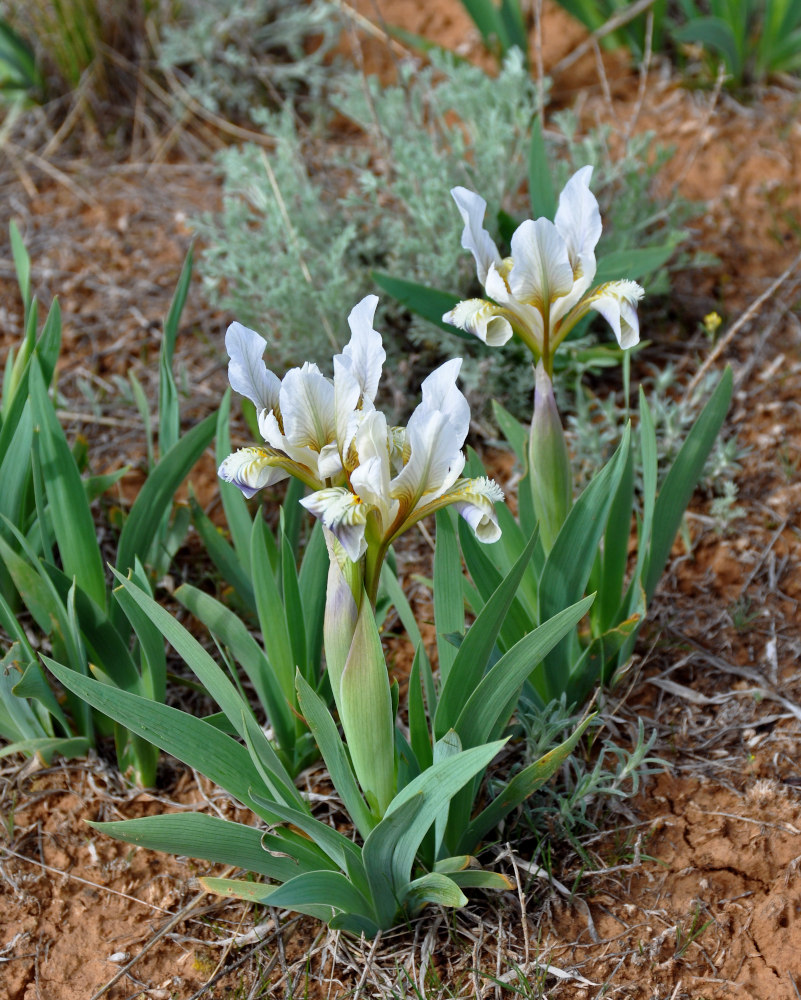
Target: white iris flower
<point x="542" y="290"/>
<point x="403" y="474"/>
<point x="307" y="420"/>
<point x="370" y="481"/>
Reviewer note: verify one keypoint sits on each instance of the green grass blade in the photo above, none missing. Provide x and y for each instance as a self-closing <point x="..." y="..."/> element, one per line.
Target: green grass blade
<point x="18" y="718"/>
<point x="210" y="675"/>
<point x="322" y="888"/>
<point x="433" y="888"/>
<point x="260" y="894"/>
<point x="714" y="34"/>
<point x="541" y="192"/>
<point x="153" y="660"/>
<point x="221" y="554"/>
<point x="394" y="591"/>
<point x="339" y="851"/>
<point x="448" y="600"/>
<point x="634" y="263"/>
<point x="272" y="616"/>
<point x="436" y="787"/>
<point x="240" y="523"/>
<point x="196" y="743"/>
<point x="524" y="784"/>
<point x="487" y="578"/>
<point x="15" y="467"/>
<point x="155" y="497"/>
<point x="73" y="525"/>
<point x="335" y="756"/>
<point x="273" y="773"/>
<point x="293" y="605"/>
<point x="682" y="479"/>
<point x="475" y="651"/>
<point x="569" y="564"/>
<point x="104" y="644"/>
<point x="48" y="747"/>
<point x="486" y="18"/>
<point x="230" y="630"/>
<point x="514" y="432"/>
<point x="33" y="685"/>
<point x="513" y="26"/>
<point x="481" y="717"/>
<point x="615" y="549"/>
<point x="313" y="579"/>
<point x="22" y="265"/>
<point x="169" y="416"/>
<point x="209" y="838"/>
<point x="419" y="735"/>
<point x="387" y="885"/>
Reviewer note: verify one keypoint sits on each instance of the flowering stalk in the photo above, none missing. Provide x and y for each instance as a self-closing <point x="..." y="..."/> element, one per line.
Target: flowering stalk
<point x="539" y="294"/>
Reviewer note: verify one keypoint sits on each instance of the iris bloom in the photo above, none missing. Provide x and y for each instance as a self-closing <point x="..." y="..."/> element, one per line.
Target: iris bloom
<point x="543" y="289"/>
<point x="370" y="481"/>
<point x="307" y="420"/>
<point x="397" y="476"/>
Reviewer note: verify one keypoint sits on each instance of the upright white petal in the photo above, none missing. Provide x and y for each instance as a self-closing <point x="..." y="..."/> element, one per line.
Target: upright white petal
<point x="307" y="407"/>
<point x="435" y="459"/>
<point x="329" y="462"/>
<point x="250" y="469"/>
<point x="483" y="319"/>
<point x="371" y="478"/>
<point x="617" y="302"/>
<point x="440" y="392"/>
<point x="541" y="272"/>
<point x="345" y="516"/>
<point x="347" y="396"/>
<point x="270" y="429"/>
<point x="365" y="352"/>
<point x="475" y="238"/>
<point x="396" y="443"/>
<point x="578" y="220"/>
<point x="247" y="372"/>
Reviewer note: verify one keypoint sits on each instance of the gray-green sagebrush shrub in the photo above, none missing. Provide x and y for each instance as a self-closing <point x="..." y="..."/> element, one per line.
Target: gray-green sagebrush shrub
<point x="303" y="225"/>
<point x="234" y="57"/>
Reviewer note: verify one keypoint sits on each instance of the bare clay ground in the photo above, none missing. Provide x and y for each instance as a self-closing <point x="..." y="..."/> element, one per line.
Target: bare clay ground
<point x="693" y="891"/>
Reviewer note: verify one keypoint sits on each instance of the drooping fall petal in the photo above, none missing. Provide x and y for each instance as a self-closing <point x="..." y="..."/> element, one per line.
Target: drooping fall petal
<point x="251" y="469"/>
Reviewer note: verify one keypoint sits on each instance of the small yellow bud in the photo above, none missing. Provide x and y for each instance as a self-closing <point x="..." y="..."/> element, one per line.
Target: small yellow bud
<point x="711" y="323"/>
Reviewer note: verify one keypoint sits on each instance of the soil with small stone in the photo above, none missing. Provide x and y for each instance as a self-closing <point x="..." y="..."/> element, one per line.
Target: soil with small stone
<point x="693" y="889"/>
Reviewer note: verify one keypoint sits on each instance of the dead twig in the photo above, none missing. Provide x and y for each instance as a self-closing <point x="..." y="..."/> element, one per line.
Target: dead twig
<point x="168" y="926"/>
<point x="735" y="328"/>
<point x="77" y="878"/>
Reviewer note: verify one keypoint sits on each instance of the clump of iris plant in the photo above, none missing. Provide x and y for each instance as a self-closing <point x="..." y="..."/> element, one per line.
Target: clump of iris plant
<point x="370" y="482"/>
